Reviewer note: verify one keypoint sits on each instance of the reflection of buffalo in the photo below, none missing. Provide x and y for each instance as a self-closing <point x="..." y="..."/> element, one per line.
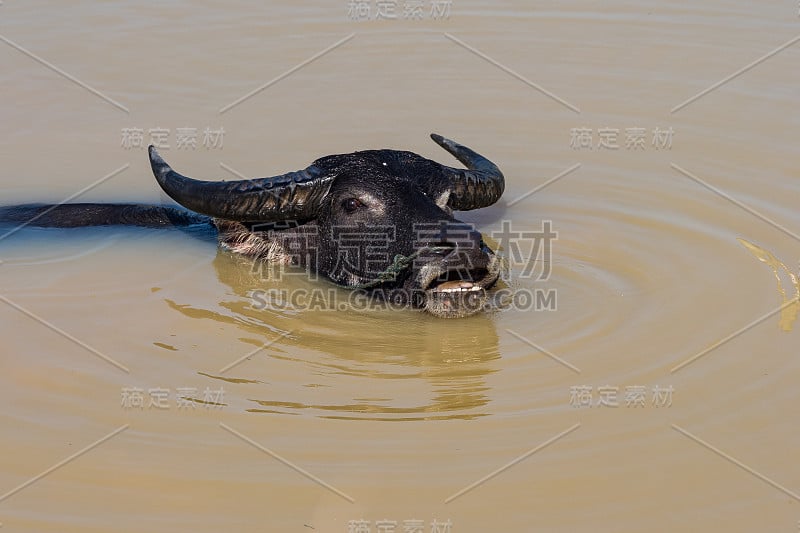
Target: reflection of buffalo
<point x="438" y="372"/>
<point x="376" y="220"/>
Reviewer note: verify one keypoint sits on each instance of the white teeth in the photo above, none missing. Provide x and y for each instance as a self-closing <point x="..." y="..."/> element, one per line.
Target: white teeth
<point x="457" y="286"/>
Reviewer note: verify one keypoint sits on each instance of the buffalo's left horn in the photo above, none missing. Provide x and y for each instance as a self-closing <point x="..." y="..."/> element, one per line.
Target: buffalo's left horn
<point x="479" y="185"/>
<point x="292" y="196"/>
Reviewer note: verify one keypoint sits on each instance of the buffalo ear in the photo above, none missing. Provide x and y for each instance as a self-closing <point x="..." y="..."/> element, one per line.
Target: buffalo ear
<point x="442" y="199"/>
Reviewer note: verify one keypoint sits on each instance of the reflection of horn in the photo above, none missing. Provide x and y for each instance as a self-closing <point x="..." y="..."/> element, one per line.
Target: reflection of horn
<point x="292" y="196"/>
<point x="479" y="185"/>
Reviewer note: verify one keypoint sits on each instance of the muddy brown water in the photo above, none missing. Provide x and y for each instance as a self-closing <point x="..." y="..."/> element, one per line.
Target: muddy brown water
<point x="143" y="390"/>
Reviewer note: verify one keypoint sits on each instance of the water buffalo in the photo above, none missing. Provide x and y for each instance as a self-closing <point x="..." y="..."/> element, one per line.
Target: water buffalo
<point x="376" y="220"/>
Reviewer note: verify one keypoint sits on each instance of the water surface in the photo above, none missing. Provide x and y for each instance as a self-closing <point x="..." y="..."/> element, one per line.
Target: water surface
<point x="660" y="394"/>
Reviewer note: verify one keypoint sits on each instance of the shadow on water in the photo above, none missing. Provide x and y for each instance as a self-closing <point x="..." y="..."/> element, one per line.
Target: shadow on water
<point x="392" y="364"/>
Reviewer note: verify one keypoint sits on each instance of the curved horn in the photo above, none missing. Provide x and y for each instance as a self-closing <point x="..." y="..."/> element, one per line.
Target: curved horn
<point x="292" y="196"/>
<point x="479" y="185"/>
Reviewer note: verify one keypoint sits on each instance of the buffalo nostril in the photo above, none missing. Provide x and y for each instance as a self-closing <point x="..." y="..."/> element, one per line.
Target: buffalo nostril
<point x="443" y="248"/>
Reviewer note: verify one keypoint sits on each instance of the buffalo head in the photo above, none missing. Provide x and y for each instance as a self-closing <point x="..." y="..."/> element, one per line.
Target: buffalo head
<point x="377" y="220"/>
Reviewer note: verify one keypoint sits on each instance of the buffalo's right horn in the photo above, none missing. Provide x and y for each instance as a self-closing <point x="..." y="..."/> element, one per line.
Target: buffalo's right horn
<point x="293" y="196"/>
<point x="479" y="185"/>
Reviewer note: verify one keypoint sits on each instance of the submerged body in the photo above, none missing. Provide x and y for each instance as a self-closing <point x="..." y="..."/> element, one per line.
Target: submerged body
<point x="377" y="220"/>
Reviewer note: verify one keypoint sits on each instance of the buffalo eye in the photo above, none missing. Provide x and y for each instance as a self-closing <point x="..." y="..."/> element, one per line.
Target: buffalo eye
<point x="352" y="204"/>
